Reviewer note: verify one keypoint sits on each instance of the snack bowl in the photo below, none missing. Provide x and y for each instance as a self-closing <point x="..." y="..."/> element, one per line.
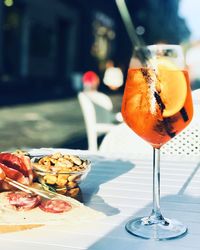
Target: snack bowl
<point x="61" y="173"/>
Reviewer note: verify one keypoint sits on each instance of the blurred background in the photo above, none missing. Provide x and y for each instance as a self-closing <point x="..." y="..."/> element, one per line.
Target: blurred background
<point x="46" y="47"/>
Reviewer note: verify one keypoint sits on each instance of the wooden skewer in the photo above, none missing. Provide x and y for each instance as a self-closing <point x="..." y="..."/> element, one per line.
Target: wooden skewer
<point x="43" y="193"/>
<point x="26" y="189"/>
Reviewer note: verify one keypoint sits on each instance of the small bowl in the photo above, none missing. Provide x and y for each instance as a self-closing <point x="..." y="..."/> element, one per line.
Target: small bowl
<point x="61" y="173"/>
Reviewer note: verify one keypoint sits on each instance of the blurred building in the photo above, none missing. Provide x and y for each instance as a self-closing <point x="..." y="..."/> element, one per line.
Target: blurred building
<point x="44" y="43"/>
<point x="48" y="44"/>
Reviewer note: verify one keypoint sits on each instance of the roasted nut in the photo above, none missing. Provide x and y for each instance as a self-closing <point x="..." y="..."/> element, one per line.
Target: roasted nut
<point x="65" y="176"/>
<point x="73" y="177"/>
<point x="53" y="161"/>
<point x="61" y="180"/>
<point x="84" y="164"/>
<point x="45" y="161"/>
<point x="62" y="159"/>
<point x="71" y="184"/>
<point x="60" y="164"/>
<point x="66" y="157"/>
<point x="66" y="162"/>
<point x="76" y="160"/>
<point x="41" y="167"/>
<point x="56" y="156"/>
<point x="50" y="179"/>
<point x="61" y="190"/>
<point x="73" y="192"/>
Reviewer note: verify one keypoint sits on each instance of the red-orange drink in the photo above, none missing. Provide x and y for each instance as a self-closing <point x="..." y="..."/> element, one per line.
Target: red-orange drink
<point x="157" y="105"/>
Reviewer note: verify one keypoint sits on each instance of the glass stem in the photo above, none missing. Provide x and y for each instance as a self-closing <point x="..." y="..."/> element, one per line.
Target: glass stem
<point x="156" y="213"/>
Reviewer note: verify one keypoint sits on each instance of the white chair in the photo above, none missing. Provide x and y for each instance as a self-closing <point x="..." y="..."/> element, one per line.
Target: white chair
<point x="122" y="141"/>
<point x="97" y="113"/>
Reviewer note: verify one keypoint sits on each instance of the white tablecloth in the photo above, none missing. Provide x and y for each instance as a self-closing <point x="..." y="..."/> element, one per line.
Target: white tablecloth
<point x="122" y="189"/>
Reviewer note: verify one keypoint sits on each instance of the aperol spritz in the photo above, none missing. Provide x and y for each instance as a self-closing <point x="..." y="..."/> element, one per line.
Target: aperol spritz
<point x="157" y="105"/>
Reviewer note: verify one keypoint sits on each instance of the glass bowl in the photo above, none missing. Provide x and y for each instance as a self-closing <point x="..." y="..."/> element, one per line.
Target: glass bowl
<point x="61" y="173"/>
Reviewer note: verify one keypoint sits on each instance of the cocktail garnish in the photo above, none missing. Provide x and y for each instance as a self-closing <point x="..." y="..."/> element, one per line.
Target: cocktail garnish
<point x="184" y="115"/>
<point x="172" y="86"/>
<point x="159" y="102"/>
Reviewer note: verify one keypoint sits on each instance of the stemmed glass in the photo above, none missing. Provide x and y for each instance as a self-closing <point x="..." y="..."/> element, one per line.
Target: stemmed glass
<point x="157" y="105"/>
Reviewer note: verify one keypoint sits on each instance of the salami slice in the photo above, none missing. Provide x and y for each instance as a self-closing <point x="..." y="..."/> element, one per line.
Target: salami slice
<point x="23" y="201"/>
<point x="55" y="206"/>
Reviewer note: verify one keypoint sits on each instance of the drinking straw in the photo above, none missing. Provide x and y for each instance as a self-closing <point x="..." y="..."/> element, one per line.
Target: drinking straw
<point x="128" y="23"/>
<point x="137" y="43"/>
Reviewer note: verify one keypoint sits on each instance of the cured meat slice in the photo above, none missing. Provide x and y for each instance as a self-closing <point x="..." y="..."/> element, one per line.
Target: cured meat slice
<point x="14" y="174"/>
<point x="55" y="206"/>
<point x="3" y="185"/>
<point x="19" y="163"/>
<point x="2" y="174"/>
<point x="13" y="161"/>
<point x="27" y="163"/>
<point x="23" y="201"/>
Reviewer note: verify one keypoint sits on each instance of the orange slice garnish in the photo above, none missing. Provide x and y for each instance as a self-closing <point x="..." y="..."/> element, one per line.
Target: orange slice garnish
<point x="171" y="85"/>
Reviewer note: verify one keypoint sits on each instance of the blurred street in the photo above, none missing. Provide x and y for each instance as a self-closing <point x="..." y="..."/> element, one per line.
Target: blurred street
<point x="57" y="123"/>
<point x="47" y="47"/>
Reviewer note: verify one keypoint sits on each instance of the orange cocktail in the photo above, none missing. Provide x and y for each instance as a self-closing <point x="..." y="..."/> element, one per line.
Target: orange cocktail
<point x="157" y="105"/>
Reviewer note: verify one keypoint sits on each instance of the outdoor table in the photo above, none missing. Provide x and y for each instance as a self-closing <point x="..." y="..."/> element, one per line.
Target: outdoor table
<point x="121" y="188"/>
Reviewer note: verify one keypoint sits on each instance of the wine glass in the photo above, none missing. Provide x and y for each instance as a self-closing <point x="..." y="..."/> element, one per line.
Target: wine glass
<point x="157" y="105"/>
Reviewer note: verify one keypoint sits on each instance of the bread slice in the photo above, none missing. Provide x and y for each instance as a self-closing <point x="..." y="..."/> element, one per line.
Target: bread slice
<point x="12" y="220"/>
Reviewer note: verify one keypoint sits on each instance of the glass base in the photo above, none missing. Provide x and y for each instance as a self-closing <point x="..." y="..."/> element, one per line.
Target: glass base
<point x="164" y="229"/>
